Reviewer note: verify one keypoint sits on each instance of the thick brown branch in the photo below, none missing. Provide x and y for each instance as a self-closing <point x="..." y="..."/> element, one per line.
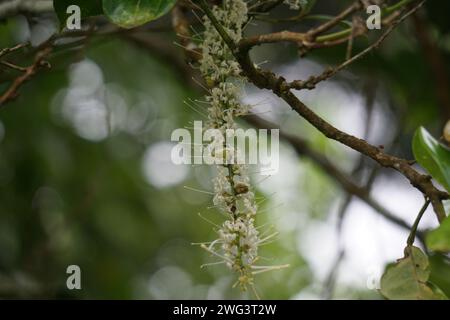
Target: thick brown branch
<point x="6" y="51"/>
<point x="302" y="148"/>
<point x="330" y="72"/>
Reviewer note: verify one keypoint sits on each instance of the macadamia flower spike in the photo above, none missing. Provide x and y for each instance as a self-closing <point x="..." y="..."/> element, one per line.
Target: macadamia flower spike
<point x="239" y="239"/>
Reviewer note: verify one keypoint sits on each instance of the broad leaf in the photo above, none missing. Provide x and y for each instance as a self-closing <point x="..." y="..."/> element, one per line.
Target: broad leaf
<point x="408" y="278"/>
<point x="439" y="239"/>
<point x="133" y="13"/>
<point x="432" y="156"/>
<point x="88" y="8"/>
<point x="440" y="272"/>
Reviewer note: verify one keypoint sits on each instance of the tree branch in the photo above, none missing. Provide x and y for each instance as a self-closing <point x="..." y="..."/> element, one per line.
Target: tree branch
<point x="436" y="63"/>
<point x="302" y="148"/>
<point x="268" y="80"/>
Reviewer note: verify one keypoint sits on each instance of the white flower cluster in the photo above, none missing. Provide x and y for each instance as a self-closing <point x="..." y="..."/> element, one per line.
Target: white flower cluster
<point x="237" y="245"/>
<point x="295" y="4"/>
<point x="238" y="237"/>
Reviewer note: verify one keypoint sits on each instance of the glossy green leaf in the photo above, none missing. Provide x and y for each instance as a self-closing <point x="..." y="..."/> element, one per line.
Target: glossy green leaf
<point x="133" y="13"/>
<point x="88" y="8"/>
<point x="432" y="156"/>
<point x="408" y="278"/>
<point x="439" y="239"/>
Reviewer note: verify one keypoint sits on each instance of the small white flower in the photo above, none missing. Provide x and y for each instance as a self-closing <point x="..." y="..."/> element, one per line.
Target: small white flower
<point x="446" y="133"/>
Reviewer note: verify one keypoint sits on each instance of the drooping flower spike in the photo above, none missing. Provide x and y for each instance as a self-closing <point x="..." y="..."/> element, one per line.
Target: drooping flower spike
<point x="239" y="239"/>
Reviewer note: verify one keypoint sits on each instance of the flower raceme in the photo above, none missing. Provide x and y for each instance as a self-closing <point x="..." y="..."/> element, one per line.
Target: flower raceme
<point x="217" y="63"/>
<point x="238" y="238"/>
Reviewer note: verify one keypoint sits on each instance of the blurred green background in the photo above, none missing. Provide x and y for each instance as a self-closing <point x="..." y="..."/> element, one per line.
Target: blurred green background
<point x="85" y="177"/>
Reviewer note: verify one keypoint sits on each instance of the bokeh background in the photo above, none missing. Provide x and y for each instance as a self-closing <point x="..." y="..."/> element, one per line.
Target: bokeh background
<point x="86" y="176"/>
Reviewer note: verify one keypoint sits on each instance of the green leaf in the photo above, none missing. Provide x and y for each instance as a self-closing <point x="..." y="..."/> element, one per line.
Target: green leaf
<point x="88" y="8"/>
<point x="408" y="278"/>
<point x="439" y="239"/>
<point x="432" y="156"/>
<point x="133" y="13"/>
<point x="440" y="272"/>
